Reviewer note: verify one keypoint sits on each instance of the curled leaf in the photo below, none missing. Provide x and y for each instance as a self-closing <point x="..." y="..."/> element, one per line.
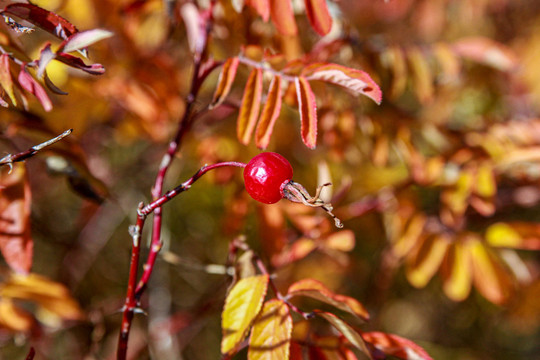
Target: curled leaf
<point x="319" y="16"/>
<point x="355" y="80"/>
<point x="32" y="86"/>
<point x="5" y="78"/>
<point x="308" y="111"/>
<point x="46" y="55"/>
<point x="316" y="290"/>
<point x="242" y="305"/>
<point x="270" y="113"/>
<point x="249" y="110"/>
<point x="73" y="61"/>
<point x="225" y="81"/>
<point x="351" y="334"/>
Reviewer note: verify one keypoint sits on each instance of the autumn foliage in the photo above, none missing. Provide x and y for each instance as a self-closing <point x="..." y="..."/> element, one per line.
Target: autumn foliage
<point x="126" y="230"/>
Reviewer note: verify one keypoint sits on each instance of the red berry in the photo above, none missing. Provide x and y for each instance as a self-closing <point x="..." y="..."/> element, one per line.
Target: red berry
<point x="266" y="175"/>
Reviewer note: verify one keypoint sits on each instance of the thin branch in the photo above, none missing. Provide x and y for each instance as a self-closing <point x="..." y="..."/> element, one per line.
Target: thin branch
<point x="265" y="67"/>
<point x="11" y="158"/>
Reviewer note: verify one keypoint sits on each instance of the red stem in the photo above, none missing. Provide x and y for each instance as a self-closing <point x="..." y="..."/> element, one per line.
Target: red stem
<point x="135" y="290"/>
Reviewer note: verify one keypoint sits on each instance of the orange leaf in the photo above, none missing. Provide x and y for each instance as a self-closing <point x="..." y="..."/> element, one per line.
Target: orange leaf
<point x="298" y="250"/>
<point x="14" y="318"/>
<point x="270" y="113"/>
<point x="457" y="272"/>
<point x="262" y="7"/>
<point x="316" y="290"/>
<point x="410" y="235"/>
<point x="426" y="260"/>
<point x="318" y="15"/>
<point x="249" y="111"/>
<point x="47" y="294"/>
<point x="343" y="240"/>
<point x="308" y="111"/>
<point x="225" y="81"/>
<point x="242" y="305"/>
<point x="15" y="242"/>
<point x="271" y="332"/>
<point x="396" y="346"/>
<point x="352" y="335"/>
<point x="355" y="80"/>
<point x="282" y="15"/>
<point x="490" y="278"/>
<point x="486" y="51"/>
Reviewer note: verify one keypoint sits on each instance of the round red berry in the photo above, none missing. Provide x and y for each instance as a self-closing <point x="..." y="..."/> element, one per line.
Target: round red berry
<point x="266" y="175"/>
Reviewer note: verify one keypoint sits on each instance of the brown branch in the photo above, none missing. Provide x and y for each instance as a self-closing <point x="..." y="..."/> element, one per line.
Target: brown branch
<point x="11" y="158"/>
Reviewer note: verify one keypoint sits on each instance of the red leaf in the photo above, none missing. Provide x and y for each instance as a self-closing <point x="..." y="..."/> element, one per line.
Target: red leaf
<point x="352" y="79"/>
<point x="316" y="290"/>
<point x="15" y="242"/>
<point x="347" y="330"/>
<point x="269" y="115"/>
<point x="32" y="86"/>
<point x="308" y="111"/>
<point x="249" y="110"/>
<point x="487" y="52"/>
<point x="73" y="61"/>
<point x="225" y="81"/>
<point x="42" y="18"/>
<point x="282" y="15"/>
<point x="318" y="15"/>
<point x="396" y="346"/>
<point x="262" y="7"/>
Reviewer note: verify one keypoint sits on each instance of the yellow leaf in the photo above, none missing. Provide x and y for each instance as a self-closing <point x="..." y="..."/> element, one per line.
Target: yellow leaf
<point x="47" y="294"/>
<point x="14" y="318"/>
<point x="490" y="278"/>
<point x="457" y="272"/>
<point x="249" y="110"/>
<point x="316" y="290"/>
<point x="503" y="235"/>
<point x="394" y="59"/>
<point x="427" y="260"/>
<point x="422" y="76"/>
<point x="486" y="185"/>
<point x="242" y="305"/>
<point x="271" y="333"/>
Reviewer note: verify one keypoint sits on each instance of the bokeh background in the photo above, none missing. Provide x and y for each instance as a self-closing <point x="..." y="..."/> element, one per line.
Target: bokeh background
<point x="437" y="186"/>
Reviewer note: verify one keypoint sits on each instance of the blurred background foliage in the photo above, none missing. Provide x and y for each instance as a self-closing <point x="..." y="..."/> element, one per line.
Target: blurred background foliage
<point x="438" y="187"/>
